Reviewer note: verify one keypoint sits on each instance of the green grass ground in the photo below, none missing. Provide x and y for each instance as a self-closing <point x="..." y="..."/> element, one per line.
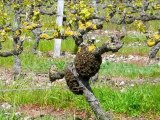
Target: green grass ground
<point x="131" y="71"/>
<point x="132" y="101"/>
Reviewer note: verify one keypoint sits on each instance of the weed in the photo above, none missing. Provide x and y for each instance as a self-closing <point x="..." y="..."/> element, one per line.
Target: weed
<point x="111" y="69"/>
<point x="132" y="101"/>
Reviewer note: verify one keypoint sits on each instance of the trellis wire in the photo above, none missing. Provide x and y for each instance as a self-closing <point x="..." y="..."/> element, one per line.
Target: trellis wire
<point x="24" y="89"/>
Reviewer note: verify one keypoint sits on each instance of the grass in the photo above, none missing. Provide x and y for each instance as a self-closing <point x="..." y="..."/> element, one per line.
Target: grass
<point x="7" y="116"/>
<point x="67" y="45"/>
<point x="132" y="71"/>
<point x="34" y="63"/>
<point x="132" y="101"/>
<point x="52" y="96"/>
<point x="42" y="63"/>
<point x="130" y="38"/>
<point x="133" y="50"/>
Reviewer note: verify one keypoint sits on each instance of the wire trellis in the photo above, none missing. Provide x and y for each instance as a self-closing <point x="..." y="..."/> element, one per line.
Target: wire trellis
<point x="25" y="89"/>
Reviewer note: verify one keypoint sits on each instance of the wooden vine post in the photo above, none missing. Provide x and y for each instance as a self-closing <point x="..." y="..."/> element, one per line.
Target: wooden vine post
<point x="59" y="21"/>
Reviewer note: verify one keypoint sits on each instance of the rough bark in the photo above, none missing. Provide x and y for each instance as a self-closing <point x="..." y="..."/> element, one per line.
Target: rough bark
<point x="114" y="46"/>
<point x="54" y="74"/>
<point x="18" y="48"/>
<point x="154" y="51"/>
<point x="88" y="94"/>
<point x="94" y="78"/>
<point x="16" y="41"/>
<point x="78" y="40"/>
<point x="36" y="32"/>
<point x="84" y="83"/>
<point x="10" y="53"/>
<point x="43" y="12"/>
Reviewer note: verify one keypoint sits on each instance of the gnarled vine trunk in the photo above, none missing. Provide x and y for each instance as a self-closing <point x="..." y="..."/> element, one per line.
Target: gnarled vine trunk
<point x="16" y="40"/>
<point x="84" y="82"/>
<point x="88" y="94"/>
<point x="154" y="50"/>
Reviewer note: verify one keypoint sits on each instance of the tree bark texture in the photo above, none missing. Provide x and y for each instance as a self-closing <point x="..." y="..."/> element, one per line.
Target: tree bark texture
<point x="18" y="48"/>
<point x="88" y="94"/>
<point x="11" y="53"/>
<point x="16" y="41"/>
<point x="114" y="46"/>
<point x="154" y="51"/>
<point x="36" y="32"/>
